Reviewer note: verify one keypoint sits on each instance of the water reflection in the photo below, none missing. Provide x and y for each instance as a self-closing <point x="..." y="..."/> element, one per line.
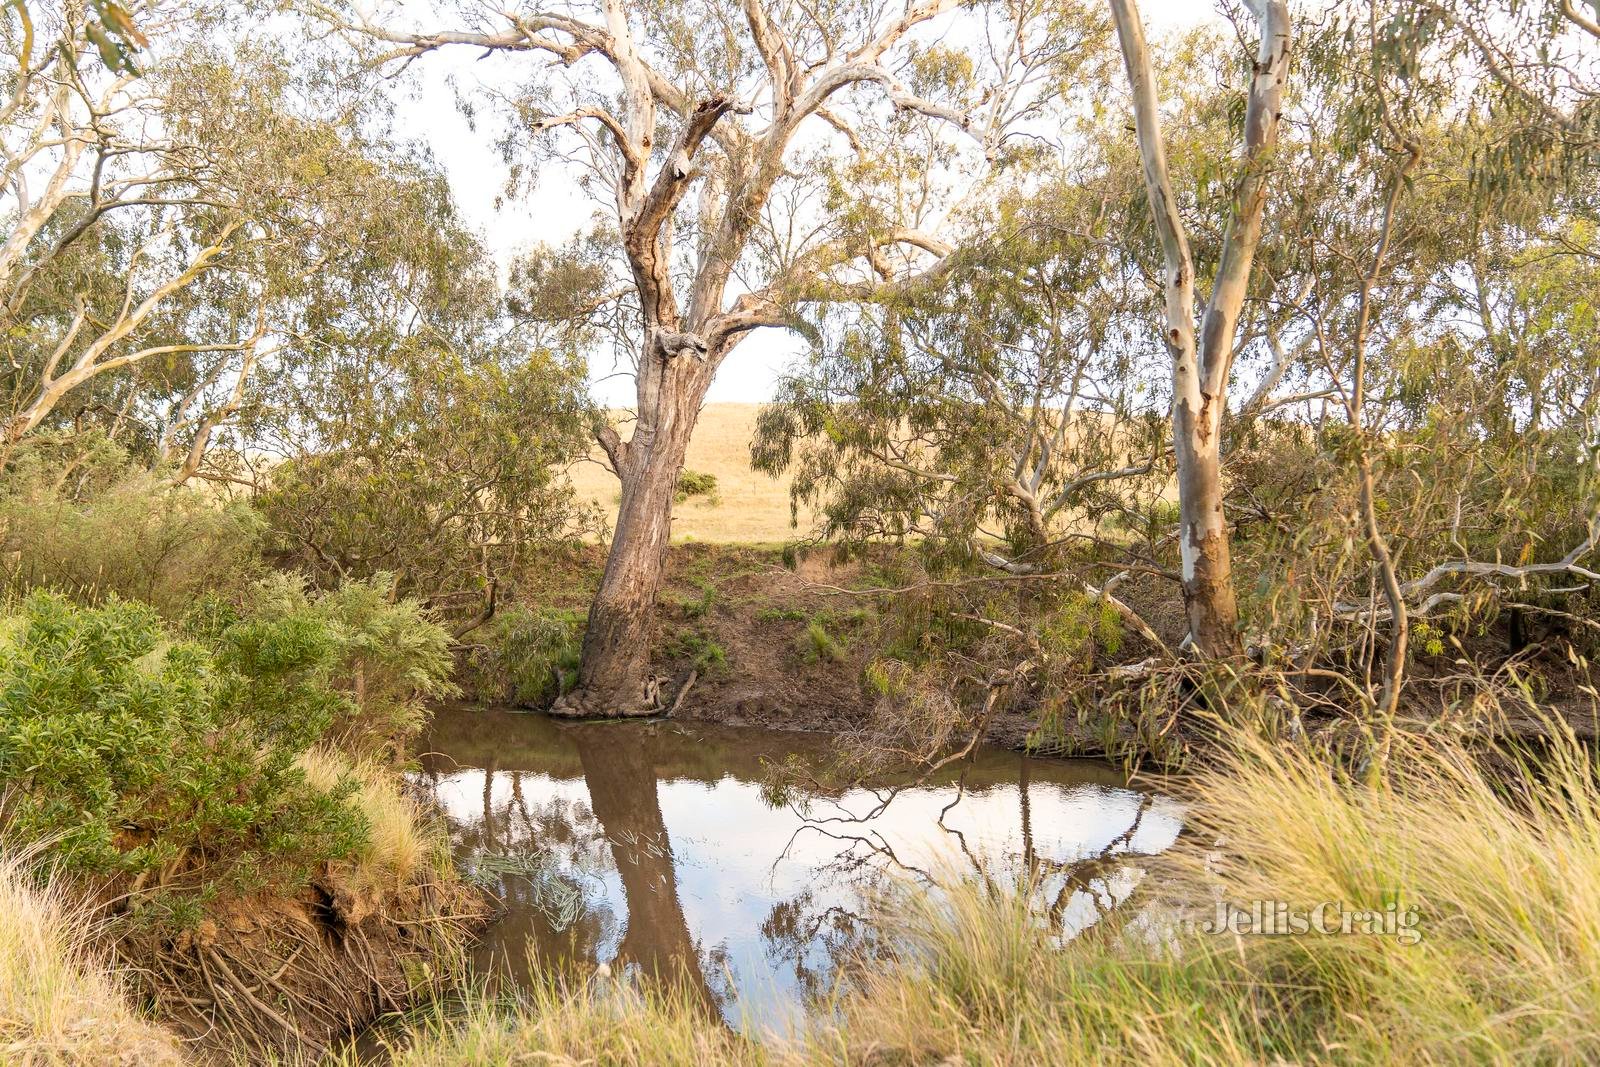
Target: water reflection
<point x="651" y="848"/>
<point x="621" y="778"/>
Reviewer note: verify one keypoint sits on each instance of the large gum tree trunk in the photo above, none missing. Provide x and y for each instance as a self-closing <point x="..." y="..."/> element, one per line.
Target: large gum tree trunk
<point x="616" y="646"/>
<point x="614" y="679"/>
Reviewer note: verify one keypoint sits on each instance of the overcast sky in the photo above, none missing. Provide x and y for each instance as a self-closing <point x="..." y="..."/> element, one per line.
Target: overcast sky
<point x="558" y="209"/>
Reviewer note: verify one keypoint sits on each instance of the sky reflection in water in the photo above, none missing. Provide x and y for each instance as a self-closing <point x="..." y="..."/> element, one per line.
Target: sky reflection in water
<point x="650" y="847"/>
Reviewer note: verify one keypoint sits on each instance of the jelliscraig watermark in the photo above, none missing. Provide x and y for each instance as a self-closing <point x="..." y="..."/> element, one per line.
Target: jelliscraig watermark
<point x="1278" y="918"/>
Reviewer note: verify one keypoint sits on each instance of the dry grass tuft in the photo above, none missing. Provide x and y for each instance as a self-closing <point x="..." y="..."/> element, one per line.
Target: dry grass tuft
<point x="58" y="1003"/>
<point x="568" y="1026"/>
<point x="1504" y="871"/>
<point x="400" y="843"/>
<point x="324" y="767"/>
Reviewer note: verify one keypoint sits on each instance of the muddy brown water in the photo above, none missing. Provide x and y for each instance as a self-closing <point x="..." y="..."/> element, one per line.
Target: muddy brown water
<point x="652" y="848"/>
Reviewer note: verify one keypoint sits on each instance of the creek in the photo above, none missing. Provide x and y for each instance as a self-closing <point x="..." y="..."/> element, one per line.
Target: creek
<point x="657" y="848"/>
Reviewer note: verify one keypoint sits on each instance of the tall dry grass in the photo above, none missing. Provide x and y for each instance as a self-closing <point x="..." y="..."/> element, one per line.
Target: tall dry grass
<point x="400" y="842"/>
<point x="1503" y="867"/>
<point x="559" y="1024"/>
<point x="58" y="1003"/>
<point x="1504" y="870"/>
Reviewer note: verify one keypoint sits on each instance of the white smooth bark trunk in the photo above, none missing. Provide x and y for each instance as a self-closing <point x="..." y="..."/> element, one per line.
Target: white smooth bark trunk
<point x="1200" y="367"/>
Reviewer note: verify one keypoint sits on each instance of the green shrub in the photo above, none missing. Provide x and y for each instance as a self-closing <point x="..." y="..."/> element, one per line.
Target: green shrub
<point x="440" y="476"/>
<point x="1076" y="624"/>
<point x="528" y="656"/>
<point x="696" y="483"/>
<point x="388" y="657"/>
<point x="122" y="532"/>
<point x="699" y="609"/>
<point x="165" y="762"/>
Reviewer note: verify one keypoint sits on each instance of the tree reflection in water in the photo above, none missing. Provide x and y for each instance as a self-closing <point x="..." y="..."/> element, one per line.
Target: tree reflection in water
<point x="622" y="793"/>
<point x="650" y="848"/>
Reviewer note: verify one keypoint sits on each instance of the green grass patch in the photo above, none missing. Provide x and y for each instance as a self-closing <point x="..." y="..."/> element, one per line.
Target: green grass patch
<point x="780" y="615"/>
<point x="701" y="649"/>
<point x="817" y="645"/>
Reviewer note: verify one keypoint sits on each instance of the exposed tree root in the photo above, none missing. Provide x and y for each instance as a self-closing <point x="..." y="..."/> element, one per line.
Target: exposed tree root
<point x="289" y="976"/>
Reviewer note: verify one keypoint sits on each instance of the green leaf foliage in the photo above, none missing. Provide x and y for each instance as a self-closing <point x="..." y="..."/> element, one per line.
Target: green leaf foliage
<point x="164" y="763"/>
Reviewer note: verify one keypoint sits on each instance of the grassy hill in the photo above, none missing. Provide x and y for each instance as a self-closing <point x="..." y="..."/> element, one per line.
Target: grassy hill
<point x="748" y="507"/>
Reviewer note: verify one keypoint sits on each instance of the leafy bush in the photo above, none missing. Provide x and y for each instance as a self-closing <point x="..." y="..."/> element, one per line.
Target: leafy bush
<point x="114" y="530"/>
<point x="696" y="483"/>
<point x="387" y="656"/>
<point x="165" y="762"/>
<point x="528" y="656"/>
<point x="440" y="477"/>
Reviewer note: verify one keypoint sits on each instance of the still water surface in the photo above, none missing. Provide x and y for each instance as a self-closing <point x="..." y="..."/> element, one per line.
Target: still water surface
<point x="651" y="848"/>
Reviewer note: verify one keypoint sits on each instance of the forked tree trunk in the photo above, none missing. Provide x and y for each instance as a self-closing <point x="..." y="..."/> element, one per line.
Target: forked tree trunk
<point x="685" y="342"/>
<point x="1200" y="365"/>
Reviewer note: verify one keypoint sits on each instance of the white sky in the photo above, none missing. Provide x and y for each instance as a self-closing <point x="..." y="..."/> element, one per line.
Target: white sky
<point x="557" y="209"/>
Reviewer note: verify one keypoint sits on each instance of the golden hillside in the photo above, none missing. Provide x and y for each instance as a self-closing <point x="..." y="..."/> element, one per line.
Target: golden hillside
<point x="749" y="507"/>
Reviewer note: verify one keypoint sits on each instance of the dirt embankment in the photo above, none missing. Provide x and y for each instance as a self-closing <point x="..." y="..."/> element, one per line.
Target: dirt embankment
<point x="772" y="637"/>
<point x="285" y="977"/>
<point x="780" y="639"/>
<point x="769" y="645"/>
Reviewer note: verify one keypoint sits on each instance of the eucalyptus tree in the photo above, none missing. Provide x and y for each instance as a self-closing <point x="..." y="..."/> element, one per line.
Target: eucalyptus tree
<point x="1536" y="62"/>
<point x="1017" y="407"/>
<point x="1201" y="366"/>
<point x="1201" y="363"/>
<point x="398" y="421"/>
<point x="79" y="151"/>
<point x="700" y="125"/>
<point x="1427" y="269"/>
<point x="169" y="218"/>
<point x="1002" y="415"/>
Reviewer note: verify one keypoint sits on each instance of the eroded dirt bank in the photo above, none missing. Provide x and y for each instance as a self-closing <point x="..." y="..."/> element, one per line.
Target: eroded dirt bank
<point x="781" y="638"/>
<point x="285" y="977"/>
<point x="770" y="637"/>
